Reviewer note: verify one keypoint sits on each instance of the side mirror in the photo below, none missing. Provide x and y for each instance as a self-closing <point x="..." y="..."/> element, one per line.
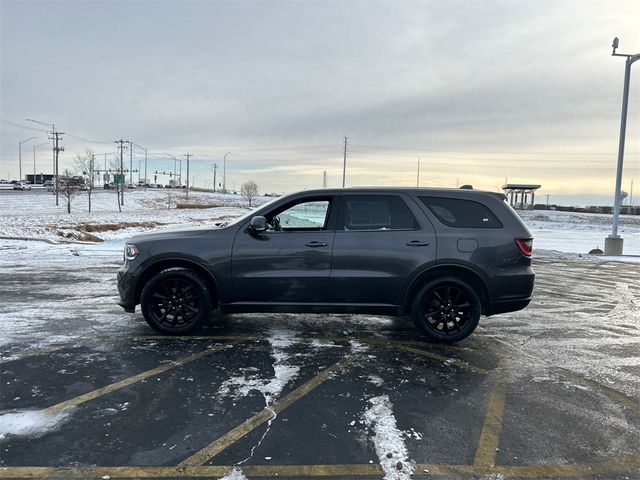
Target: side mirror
<point x="258" y="224"/>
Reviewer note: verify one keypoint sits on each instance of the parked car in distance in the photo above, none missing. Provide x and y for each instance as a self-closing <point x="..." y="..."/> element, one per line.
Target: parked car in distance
<point x="442" y="256"/>
<point x="3" y="182"/>
<point x="49" y="185"/>
<point x="22" y="185"/>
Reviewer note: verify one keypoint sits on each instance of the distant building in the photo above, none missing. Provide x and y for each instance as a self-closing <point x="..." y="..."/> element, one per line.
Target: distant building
<point x="39" y="179"/>
<point x="521" y="196"/>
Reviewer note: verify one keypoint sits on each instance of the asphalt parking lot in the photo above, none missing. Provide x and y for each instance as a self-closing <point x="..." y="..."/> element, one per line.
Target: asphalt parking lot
<point x="551" y="392"/>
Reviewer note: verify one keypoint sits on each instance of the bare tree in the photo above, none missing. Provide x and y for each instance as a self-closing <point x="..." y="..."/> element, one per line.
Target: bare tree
<point x="69" y="187"/>
<point x="249" y="190"/>
<point x="86" y="163"/>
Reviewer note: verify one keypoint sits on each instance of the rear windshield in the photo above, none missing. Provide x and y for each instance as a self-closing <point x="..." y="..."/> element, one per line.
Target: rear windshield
<point x="457" y="213"/>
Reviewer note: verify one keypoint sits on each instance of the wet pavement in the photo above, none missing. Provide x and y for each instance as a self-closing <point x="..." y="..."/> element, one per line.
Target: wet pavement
<point x="550" y="392"/>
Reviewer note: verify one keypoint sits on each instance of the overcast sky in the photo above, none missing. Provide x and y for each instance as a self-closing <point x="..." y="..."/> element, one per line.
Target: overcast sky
<point x="481" y="91"/>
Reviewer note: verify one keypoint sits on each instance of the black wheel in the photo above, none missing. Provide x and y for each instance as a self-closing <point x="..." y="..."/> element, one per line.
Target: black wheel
<point x="175" y="301"/>
<point x="446" y="309"/>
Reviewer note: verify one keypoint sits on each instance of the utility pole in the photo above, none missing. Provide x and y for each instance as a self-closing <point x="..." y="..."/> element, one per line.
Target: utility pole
<point x="146" y="179"/>
<point x="344" y="163"/>
<point x="55" y="136"/>
<point x="324" y="179"/>
<point x="215" y="170"/>
<point x="130" y="162"/>
<point x="120" y="186"/>
<point x="224" y="173"/>
<point x="418" y="179"/>
<point x="188" y="155"/>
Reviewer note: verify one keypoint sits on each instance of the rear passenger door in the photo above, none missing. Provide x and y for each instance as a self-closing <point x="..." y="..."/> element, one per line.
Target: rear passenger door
<point x="381" y="239"/>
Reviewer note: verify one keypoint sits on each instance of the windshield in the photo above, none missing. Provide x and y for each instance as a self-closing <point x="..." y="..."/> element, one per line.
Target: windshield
<point x="248" y="214"/>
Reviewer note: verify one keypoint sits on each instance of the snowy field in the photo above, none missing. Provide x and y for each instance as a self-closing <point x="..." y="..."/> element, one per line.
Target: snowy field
<point x="34" y="215"/>
<point x="578" y="233"/>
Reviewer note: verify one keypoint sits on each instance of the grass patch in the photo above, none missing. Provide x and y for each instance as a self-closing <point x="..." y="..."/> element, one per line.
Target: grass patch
<point x="112" y="227"/>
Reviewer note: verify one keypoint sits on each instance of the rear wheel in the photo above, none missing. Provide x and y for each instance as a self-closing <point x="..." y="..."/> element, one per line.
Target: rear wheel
<point x="175" y="301"/>
<point x="446" y="309"/>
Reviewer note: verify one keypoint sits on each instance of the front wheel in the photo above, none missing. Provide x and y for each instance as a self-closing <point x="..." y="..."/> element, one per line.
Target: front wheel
<point x="175" y="301"/>
<point x="446" y="309"/>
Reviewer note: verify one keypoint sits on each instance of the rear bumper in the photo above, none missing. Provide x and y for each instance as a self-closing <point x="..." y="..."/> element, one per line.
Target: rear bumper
<point x="512" y="292"/>
<point x="511" y="305"/>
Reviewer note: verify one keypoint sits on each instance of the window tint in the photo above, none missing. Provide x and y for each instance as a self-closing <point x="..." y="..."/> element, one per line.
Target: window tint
<point x="376" y="212"/>
<point x="458" y="213"/>
<point x="302" y="216"/>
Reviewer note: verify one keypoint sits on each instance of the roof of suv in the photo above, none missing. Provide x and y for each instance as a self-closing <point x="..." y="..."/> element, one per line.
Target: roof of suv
<point x="458" y="192"/>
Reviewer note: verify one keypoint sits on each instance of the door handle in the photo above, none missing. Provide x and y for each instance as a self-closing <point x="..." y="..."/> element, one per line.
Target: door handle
<point x="315" y="244"/>
<point x="417" y="243"/>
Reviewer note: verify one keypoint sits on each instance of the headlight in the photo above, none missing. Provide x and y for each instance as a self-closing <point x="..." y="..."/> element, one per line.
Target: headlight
<point x="130" y="252"/>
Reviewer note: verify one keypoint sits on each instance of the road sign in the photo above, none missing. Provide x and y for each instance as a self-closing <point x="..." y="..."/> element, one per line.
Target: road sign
<point x="118" y="178"/>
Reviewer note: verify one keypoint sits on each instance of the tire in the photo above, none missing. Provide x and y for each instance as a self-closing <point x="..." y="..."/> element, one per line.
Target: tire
<point x="446" y="309"/>
<point x="175" y="301"/>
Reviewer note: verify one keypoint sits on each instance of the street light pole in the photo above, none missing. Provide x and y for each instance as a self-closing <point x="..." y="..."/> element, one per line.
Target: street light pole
<point x="20" y="156"/>
<point x="224" y="173"/>
<point x="613" y="243"/>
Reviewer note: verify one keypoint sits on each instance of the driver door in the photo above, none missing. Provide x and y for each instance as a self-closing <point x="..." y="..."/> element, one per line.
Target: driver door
<point x="291" y="261"/>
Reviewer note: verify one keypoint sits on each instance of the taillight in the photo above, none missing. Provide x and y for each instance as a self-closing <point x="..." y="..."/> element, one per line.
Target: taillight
<point x="525" y="245"/>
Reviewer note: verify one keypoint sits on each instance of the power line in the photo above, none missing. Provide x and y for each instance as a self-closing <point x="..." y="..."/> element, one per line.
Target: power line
<point x="87" y="140"/>
<point x="26" y="127"/>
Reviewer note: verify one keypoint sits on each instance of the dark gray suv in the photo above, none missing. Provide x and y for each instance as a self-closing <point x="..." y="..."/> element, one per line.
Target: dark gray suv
<point x="443" y="256"/>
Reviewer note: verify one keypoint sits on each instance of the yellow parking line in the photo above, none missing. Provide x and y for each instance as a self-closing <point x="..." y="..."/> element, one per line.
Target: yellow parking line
<point x="264" y="415"/>
<point x="134" y="379"/>
<point x="628" y="463"/>
<point x="485" y="457"/>
<point x="445" y="359"/>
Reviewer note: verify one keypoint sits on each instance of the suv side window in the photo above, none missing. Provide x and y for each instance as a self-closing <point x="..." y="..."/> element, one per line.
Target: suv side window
<point x="376" y="212"/>
<point x="457" y="213"/>
<point x="310" y="215"/>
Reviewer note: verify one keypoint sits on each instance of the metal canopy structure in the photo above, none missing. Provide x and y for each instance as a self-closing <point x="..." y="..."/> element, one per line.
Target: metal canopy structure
<point x="521" y="195"/>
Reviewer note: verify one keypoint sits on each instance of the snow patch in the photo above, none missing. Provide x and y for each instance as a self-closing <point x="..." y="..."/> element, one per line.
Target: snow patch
<point x="357" y="347"/>
<point x="283" y="373"/>
<point x="31" y="423"/>
<point x="388" y="439"/>
<point x="235" y="474"/>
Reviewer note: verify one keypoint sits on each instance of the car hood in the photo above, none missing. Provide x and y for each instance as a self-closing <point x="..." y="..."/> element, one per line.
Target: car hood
<point x="171" y="233"/>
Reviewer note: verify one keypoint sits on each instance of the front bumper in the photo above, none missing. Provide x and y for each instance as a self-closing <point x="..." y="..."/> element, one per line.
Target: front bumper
<point x="126" y="290"/>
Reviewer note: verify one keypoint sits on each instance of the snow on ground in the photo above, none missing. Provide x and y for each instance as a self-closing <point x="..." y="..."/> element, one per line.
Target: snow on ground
<point x="35" y="215"/>
<point x="574" y="232"/>
<point x="235" y="474"/>
<point x="31" y="423"/>
<point x="388" y="439"/>
<point x="270" y="388"/>
<point x="556" y="234"/>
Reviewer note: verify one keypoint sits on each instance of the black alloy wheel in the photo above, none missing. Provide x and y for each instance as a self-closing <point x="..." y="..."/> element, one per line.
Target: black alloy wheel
<point x="446" y="309"/>
<point x="175" y="301"/>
